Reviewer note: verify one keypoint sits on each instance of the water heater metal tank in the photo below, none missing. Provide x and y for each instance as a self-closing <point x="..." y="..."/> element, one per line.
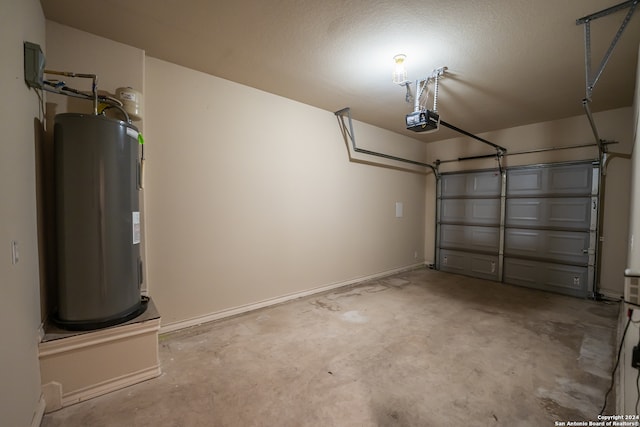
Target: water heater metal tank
<point x="98" y="221"/>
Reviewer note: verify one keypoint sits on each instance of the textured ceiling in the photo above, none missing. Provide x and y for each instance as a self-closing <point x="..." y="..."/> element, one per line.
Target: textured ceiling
<point x="510" y="62"/>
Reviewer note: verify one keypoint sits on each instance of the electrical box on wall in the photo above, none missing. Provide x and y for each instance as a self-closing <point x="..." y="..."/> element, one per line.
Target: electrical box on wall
<point x="33" y="65"/>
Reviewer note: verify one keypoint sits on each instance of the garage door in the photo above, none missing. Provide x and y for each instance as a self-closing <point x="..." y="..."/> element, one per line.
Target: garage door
<point x="550" y="227"/>
<point x="534" y="226"/>
<point x="469" y="224"/>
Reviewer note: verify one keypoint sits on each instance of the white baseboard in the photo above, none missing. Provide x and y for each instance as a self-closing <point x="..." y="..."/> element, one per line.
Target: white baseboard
<point x="38" y="413"/>
<point x="171" y="327"/>
<point x="110" y="385"/>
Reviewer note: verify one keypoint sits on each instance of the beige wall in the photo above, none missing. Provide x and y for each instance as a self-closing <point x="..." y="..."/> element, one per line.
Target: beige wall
<point x="627" y="390"/>
<point x="612" y="125"/>
<point x="251" y="196"/>
<point x="19" y="286"/>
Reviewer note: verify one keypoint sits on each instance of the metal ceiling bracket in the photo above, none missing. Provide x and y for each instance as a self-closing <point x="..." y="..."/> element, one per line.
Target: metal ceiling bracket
<point x="603" y="144"/>
<point x="601" y="147"/>
<point x="586" y="20"/>
<point x="421" y="86"/>
<point x="499" y="156"/>
<point x="347" y="132"/>
<point x="408" y="96"/>
<point x="437" y="73"/>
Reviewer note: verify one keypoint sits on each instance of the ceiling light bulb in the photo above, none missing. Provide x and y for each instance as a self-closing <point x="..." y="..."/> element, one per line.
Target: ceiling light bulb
<point x="399" y="73"/>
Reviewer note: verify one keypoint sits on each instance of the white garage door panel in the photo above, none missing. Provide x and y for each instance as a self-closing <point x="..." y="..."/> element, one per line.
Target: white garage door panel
<point x="550" y="180"/>
<point x="566" y="279"/>
<point x="556" y="246"/>
<point x="471" y="211"/>
<point x="564" y="213"/>
<point x="570" y="180"/>
<point x="470" y="264"/>
<point x="525" y="182"/>
<point x="474" y="238"/>
<point x="476" y="184"/>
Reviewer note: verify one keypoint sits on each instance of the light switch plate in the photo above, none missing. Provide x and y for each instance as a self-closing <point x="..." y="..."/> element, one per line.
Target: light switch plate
<point x="399" y="210"/>
<point x="15" y="255"/>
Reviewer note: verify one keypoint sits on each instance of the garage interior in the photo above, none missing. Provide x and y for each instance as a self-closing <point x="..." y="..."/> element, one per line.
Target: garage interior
<point x="421" y="348"/>
<point x="309" y="256"/>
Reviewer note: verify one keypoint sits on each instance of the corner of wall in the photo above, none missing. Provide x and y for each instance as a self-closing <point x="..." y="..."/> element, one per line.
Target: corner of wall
<point x="20" y="404"/>
<point x="39" y="412"/>
<point x="626" y="388"/>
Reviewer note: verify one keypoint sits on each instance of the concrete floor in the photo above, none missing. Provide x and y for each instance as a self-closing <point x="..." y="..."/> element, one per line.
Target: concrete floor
<point x="420" y="348"/>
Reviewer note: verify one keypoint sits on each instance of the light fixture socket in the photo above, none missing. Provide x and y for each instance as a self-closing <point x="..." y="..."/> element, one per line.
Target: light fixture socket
<point x="400" y="72"/>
